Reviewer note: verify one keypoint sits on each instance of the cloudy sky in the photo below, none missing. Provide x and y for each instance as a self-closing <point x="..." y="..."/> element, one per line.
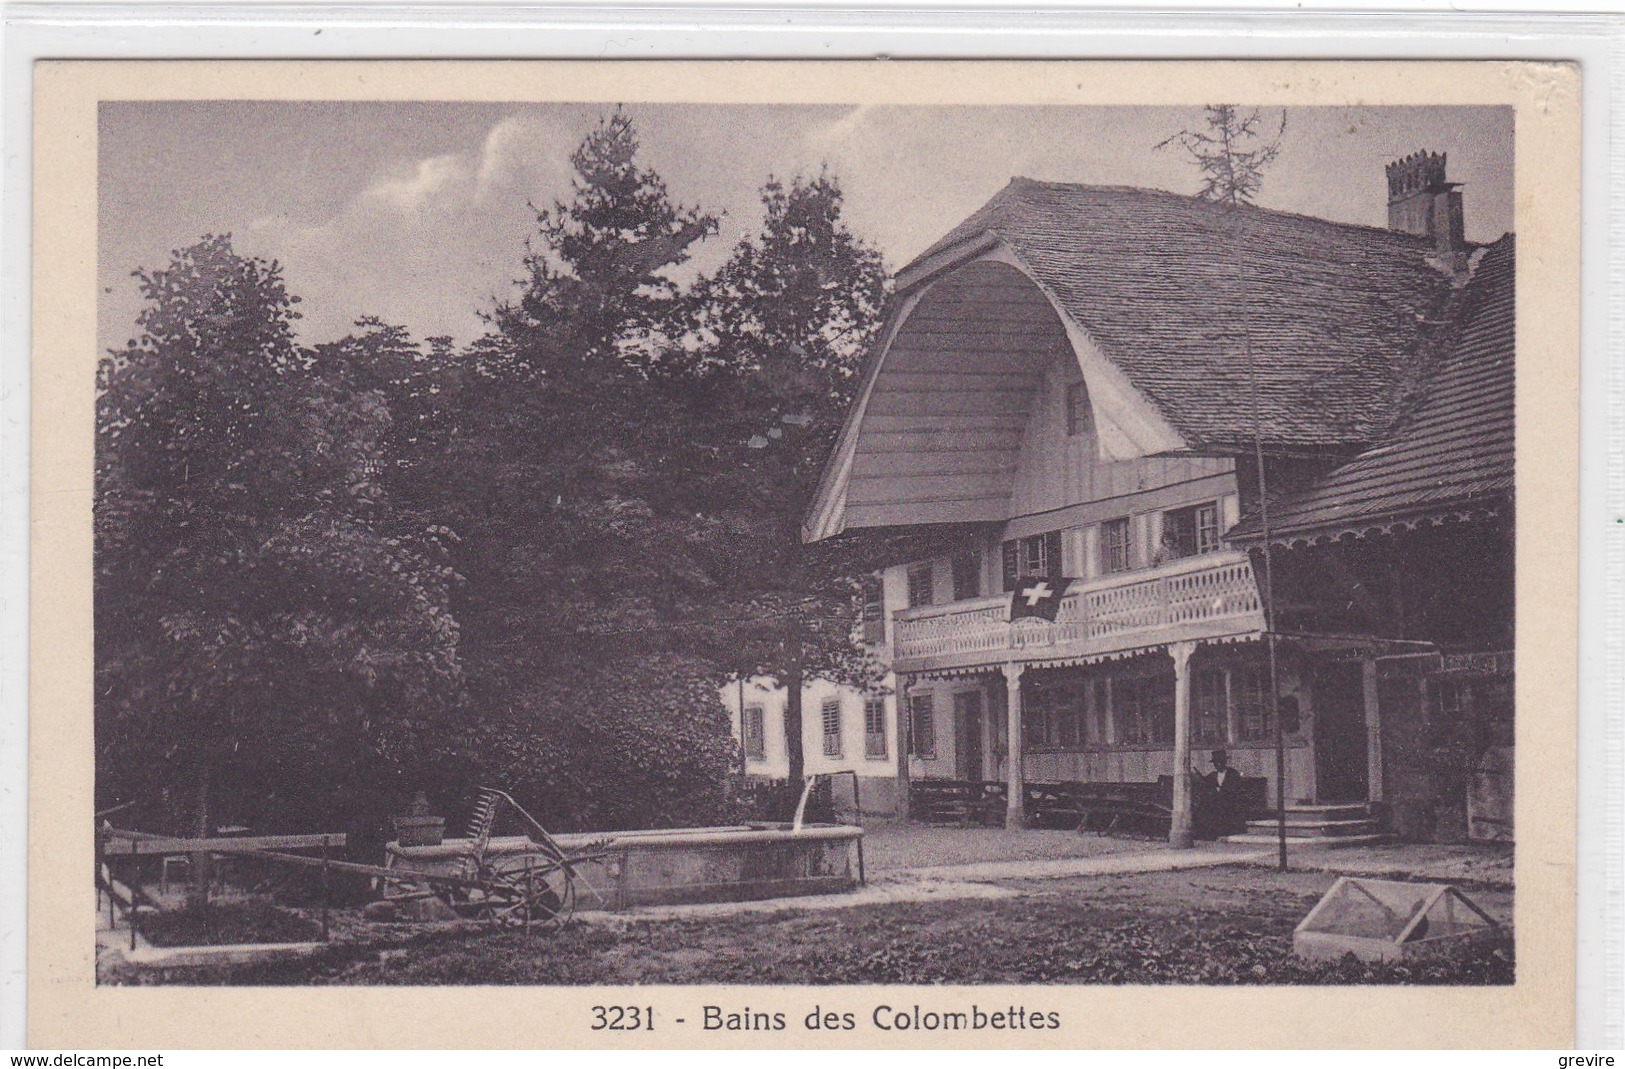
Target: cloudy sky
<point x="417" y="212"/>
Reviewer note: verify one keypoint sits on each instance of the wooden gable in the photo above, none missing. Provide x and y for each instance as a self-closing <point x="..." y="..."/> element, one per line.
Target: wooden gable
<point x="937" y="435"/>
<point x="942" y="428"/>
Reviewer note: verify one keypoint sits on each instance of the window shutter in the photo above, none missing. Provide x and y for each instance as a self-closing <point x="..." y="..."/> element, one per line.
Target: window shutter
<point x="1052" y="552"/>
<point x="832" y="727"/>
<point x="1012" y="564"/>
<point x="874" y="611"/>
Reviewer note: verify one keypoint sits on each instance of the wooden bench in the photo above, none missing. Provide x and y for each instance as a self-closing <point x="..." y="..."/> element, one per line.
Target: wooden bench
<point x="1134" y="807"/>
<point x="963" y="802"/>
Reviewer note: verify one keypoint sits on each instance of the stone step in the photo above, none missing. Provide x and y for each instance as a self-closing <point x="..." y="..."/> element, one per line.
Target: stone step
<point x="1330" y="811"/>
<point x="1320" y="829"/>
<point x="1325" y="843"/>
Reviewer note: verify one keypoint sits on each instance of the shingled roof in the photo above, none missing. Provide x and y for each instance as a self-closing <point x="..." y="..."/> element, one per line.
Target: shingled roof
<point x="1452" y="453"/>
<point x="1169" y="286"/>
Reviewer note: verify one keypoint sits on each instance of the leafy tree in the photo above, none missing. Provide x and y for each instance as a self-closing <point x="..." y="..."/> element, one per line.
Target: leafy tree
<point x="797" y="305"/>
<point x="263" y="618"/>
<point x="1231" y="152"/>
<point x="786" y="323"/>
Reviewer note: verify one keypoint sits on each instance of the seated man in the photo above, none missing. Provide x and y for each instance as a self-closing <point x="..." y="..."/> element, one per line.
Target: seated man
<point x="1224" y="808"/>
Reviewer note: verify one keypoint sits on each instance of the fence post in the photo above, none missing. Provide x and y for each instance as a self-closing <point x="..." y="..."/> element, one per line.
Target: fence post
<point x="324" y="888"/>
<point x="135" y="868"/>
<point x="530" y="892"/>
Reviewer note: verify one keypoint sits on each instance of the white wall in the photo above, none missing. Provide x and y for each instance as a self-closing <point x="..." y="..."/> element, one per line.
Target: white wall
<point x="773" y="697"/>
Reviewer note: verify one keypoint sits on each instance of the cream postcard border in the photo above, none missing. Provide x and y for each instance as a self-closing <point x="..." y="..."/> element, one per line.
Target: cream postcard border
<point x="67" y="1009"/>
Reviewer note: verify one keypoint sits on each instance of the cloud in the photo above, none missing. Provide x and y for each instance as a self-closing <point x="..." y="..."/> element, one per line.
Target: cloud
<point x="433" y="182"/>
<point x="512" y="154"/>
<point x="521" y="156"/>
<point x="428" y="241"/>
<point x="838" y="133"/>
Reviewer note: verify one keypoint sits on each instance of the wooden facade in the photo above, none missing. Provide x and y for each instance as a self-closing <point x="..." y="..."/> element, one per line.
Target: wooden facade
<point x="1011" y="398"/>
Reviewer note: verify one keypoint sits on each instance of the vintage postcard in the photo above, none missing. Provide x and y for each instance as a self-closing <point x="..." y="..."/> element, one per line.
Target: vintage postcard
<point x="768" y="554"/>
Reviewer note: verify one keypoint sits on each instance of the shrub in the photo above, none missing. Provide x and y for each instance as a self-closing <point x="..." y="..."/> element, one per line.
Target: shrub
<point x="224" y="923"/>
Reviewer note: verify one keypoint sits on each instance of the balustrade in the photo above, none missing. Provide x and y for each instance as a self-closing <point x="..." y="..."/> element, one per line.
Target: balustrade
<point x="1190" y="598"/>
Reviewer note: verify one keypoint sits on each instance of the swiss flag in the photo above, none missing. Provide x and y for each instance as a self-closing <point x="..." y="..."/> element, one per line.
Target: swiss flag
<point x="1038" y="595"/>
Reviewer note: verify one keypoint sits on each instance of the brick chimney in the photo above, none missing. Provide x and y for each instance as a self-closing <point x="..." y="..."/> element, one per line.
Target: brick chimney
<point x="1421" y="202"/>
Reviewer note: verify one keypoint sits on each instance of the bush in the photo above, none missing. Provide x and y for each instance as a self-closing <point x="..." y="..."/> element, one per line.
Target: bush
<point x="225" y="923"/>
<point x="635" y="742"/>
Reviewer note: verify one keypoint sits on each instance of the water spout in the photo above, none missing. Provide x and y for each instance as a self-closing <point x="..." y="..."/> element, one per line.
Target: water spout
<point x="801" y="806"/>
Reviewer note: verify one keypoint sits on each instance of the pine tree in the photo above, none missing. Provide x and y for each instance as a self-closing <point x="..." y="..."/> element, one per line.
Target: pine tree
<point x="1231" y="152"/>
<point x="597" y="296"/>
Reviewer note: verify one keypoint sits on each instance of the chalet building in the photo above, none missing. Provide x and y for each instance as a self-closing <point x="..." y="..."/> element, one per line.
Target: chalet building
<point x="1109" y="385"/>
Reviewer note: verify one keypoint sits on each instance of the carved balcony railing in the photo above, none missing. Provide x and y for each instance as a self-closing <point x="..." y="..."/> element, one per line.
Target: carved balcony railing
<point x="1210" y="596"/>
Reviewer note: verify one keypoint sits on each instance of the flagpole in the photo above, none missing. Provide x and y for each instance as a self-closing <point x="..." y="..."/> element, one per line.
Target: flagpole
<point x="1269" y="608"/>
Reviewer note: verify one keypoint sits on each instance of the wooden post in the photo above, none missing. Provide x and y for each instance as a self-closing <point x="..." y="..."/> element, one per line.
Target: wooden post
<point x="135" y="869"/>
<point x="1180" y="835"/>
<point x="1373" y="729"/>
<point x="1015" y="803"/>
<point x="905" y="714"/>
<point x="530" y="890"/>
<point x="324" y="888"/>
<point x="101" y="858"/>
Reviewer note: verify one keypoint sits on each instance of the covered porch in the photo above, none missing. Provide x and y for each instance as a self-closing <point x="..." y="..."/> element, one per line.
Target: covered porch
<point x="1100" y="736"/>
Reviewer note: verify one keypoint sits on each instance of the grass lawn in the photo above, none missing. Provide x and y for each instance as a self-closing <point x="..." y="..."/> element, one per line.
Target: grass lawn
<point x="1230" y="925"/>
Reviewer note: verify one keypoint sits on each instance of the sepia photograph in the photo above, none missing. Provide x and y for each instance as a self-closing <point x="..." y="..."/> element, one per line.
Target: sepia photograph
<point x="803" y="554"/>
<point x="559" y="544"/>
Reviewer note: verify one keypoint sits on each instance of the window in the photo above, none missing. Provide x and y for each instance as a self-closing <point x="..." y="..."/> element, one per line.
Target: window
<point x="1035" y="718"/>
<point x="874" y="611"/>
<point x="1144" y="709"/>
<point x="1207" y="529"/>
<point x="1209" y="704"/>
<point x="967" y="575"/>
<point x="1247" y="690"/>
<point x="1159" y="702"/>
<point x="921" y="583"/>
<point x="1080" y="418"/>
<point x="831" y="714"/>
<point x="922" y="726"/>
<point x="1115" y="555"/>
<point x="1035" y="555"/>
<point x="754" y="729"/>
<point x="1035" y="558"/>
<point x="1053" y="714"/>
<point x="1132" y="727"/>
<point x="1189" y="531"/>
<point x="1067" y="728"/>
<point x="874" y="727"/>
<point x="1100" y="707"/>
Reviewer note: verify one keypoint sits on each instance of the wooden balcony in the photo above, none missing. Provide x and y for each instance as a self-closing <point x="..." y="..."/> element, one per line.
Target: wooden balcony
<point x="1212" y="596"/>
